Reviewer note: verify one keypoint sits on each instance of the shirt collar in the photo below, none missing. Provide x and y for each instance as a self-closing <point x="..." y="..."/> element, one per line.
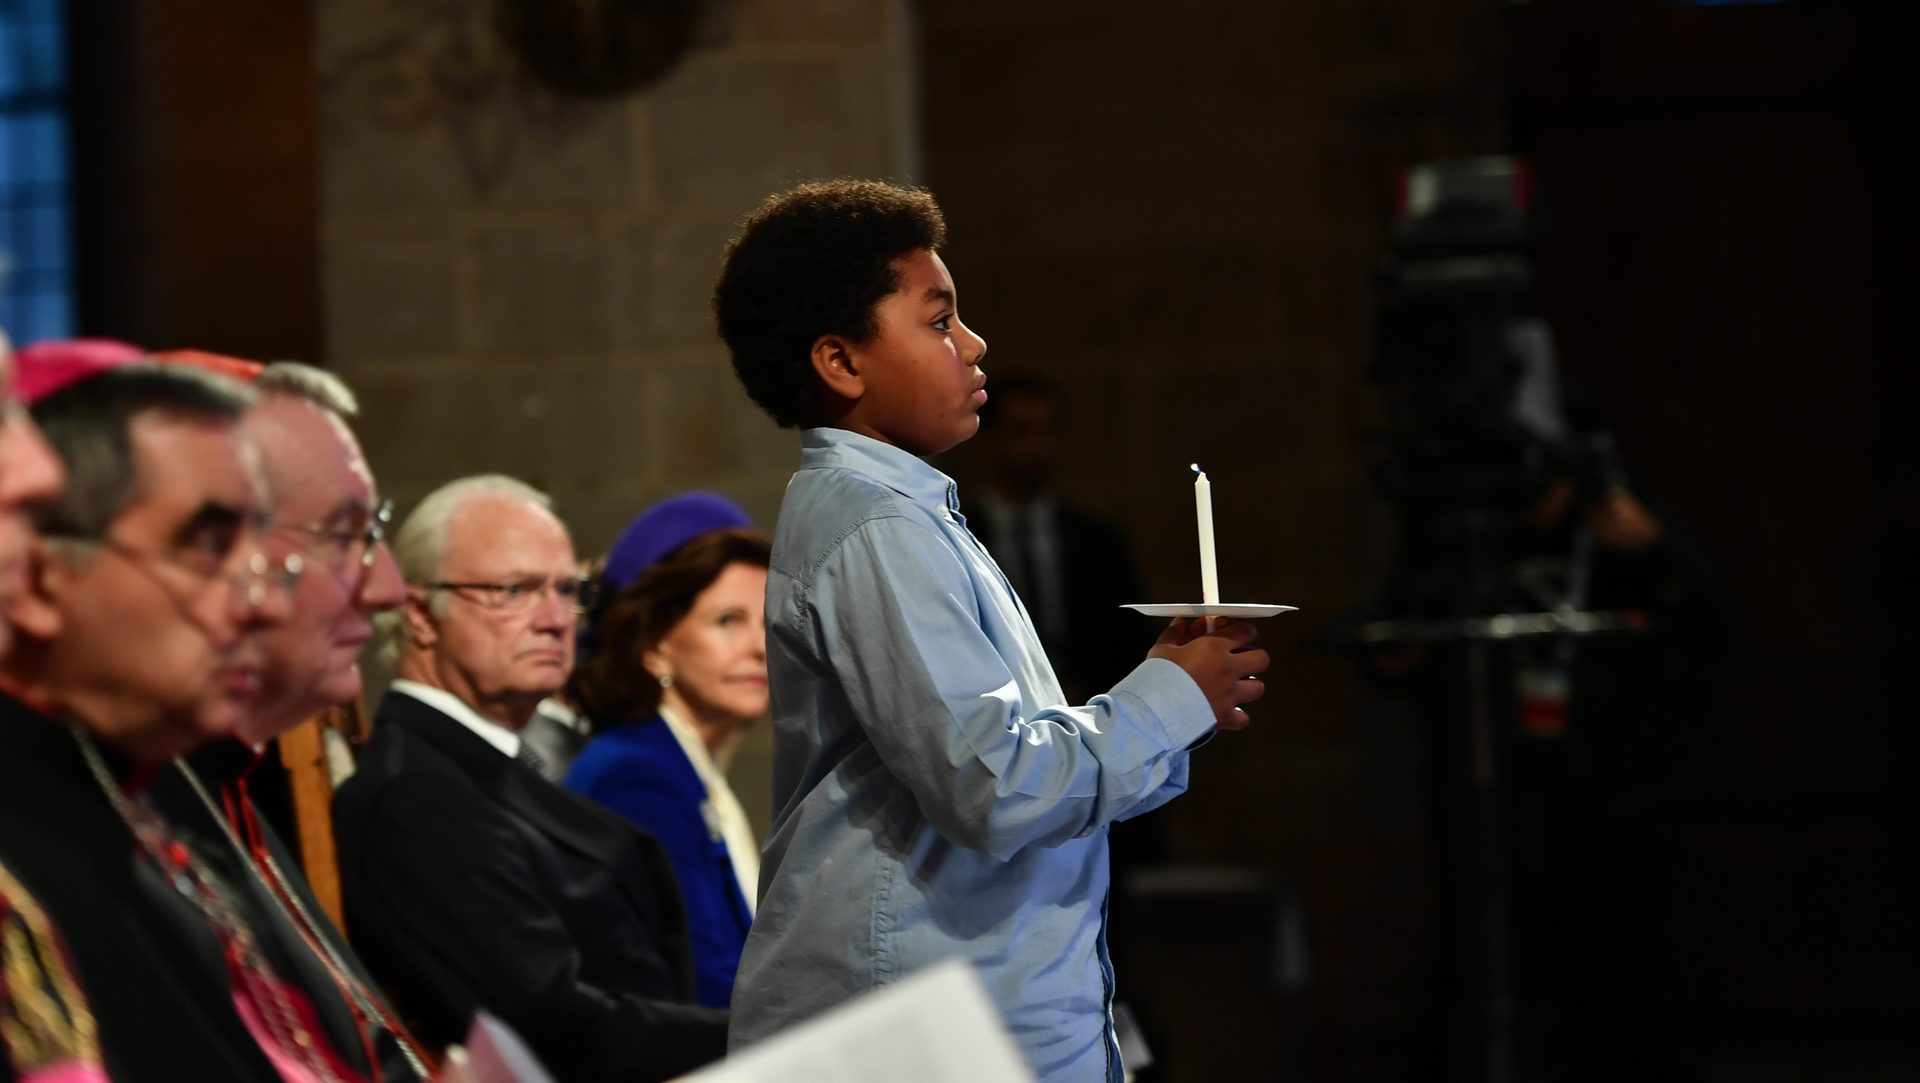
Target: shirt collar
<point x="725" y="818"/>
<point x="495" y="734"/>
<point x="897" y="469"/>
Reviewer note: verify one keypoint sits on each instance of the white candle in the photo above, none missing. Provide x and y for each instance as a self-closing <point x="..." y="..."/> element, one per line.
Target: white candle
<point x="1203" y="510"/>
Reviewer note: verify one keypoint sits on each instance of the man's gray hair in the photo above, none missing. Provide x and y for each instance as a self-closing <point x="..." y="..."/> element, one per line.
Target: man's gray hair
<point x="89" y="424"/>
<point x="420" y="545"/>
<point x="309" y="384"/>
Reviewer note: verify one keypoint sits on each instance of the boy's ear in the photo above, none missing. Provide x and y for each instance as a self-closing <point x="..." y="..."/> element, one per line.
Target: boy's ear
<point x="839" y="370"/>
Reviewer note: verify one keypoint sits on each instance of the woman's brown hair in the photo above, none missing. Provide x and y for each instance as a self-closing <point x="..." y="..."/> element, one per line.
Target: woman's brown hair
<point x="611" y="686"/>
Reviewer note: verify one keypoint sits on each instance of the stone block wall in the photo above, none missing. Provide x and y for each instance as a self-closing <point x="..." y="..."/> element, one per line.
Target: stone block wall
<point x="516" y="279"/>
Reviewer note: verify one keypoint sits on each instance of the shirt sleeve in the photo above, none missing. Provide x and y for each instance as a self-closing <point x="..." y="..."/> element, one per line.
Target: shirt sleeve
<point x="901" y="628"/>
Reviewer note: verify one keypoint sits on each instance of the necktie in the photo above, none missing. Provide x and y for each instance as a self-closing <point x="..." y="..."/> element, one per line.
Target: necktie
<point x="532" y="759"/>
<point x="1032" y="589"/>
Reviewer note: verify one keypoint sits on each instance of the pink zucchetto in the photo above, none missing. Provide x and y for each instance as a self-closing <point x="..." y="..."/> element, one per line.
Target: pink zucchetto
<point x="41" y="368"/>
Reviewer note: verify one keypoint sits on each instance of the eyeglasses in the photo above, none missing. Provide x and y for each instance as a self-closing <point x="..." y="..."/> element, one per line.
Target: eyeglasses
<point x="251" y="579"/>
<point x="522" y="596"/>
<point x="337" y="543"/>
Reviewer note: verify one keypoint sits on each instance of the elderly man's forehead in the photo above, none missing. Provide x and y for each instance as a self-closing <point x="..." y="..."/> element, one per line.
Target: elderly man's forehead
<point x="500" y="529"/>
<point x="256" y="472"/>
<point x="312" y="460"/>
<point x="282" y="418"/>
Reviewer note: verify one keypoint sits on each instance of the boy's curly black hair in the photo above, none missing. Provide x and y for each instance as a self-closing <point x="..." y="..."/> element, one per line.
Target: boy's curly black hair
<point x="813" y="261"/>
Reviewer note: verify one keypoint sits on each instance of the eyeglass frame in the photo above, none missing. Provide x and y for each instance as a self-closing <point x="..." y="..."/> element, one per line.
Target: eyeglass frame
<point x="506" y="602"/>
<point x="250" y="579"/>
<point x="371" y="535"/>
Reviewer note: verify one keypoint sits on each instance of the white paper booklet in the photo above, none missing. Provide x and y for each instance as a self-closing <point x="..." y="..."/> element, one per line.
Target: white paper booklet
<point x="936" y="1026"/>
<point x="494" y="1053"/>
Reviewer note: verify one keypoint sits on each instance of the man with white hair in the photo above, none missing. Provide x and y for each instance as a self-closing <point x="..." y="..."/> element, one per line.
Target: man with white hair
<point x="329" y="513"/>
<point x="471" y="881"/>
<point x="330" y="521"/>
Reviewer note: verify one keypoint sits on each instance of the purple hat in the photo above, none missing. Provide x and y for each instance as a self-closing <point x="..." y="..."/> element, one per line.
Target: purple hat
<point x="664" y="527"/>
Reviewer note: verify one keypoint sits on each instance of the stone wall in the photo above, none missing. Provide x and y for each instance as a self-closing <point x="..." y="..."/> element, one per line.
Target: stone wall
<point x="516" y="280"/>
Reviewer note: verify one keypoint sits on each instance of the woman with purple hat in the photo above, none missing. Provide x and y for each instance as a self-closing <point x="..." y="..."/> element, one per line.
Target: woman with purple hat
<point x="678" y="672"/>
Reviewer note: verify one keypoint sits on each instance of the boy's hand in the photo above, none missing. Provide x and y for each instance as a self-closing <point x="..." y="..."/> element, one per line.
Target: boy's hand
<point x="1219" y="663"/>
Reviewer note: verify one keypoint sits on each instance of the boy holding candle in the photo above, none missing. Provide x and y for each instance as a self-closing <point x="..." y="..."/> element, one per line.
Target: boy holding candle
<point x="935" y="794"/>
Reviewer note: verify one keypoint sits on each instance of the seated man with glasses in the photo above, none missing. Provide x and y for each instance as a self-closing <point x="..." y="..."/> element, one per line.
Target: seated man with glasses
<point x="328" y="520"/>
<point x="136" y="637"/>
<point x="470" y="881"/>
<point x="328" y="514"/>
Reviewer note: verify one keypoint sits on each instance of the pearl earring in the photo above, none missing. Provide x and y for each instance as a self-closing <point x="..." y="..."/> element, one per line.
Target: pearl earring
<point x="666" y="680"/>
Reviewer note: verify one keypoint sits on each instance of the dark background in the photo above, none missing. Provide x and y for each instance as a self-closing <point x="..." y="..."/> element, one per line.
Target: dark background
<point x="1173" y="212"/>
<point x="1728" y="238"/>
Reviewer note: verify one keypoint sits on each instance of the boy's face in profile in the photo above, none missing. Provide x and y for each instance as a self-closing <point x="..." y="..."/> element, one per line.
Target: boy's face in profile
<point x="922" y="387"/>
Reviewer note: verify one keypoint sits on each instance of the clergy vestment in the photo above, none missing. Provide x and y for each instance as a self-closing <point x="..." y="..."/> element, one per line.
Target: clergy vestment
<point x="152" y="970"/>
<point x="346" y="1002"/>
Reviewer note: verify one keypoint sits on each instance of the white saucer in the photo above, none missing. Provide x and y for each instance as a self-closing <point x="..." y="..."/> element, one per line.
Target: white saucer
<point x="1217" y="609"/>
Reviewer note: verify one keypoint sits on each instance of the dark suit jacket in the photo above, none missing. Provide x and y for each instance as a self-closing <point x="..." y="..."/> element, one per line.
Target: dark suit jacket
<point x="1103" y="642"/>
<point x="639" y="771"/>
<point x="471" y="882"/>
<point x="150" y="967"/>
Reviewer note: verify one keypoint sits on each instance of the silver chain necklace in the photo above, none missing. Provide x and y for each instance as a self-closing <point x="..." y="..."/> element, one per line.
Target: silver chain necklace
<point x="198" y="887"/>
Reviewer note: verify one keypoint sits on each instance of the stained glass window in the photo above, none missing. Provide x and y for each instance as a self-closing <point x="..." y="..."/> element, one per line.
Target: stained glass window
<point x="36" y="214"/>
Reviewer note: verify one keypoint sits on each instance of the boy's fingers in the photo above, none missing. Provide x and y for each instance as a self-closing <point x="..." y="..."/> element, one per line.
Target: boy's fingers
<point x="1236" y="633"/>
<point x="1248" y="690"/>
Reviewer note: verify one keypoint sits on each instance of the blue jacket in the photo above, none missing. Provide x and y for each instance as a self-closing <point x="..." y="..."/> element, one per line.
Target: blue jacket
<point x="639" y="771"/>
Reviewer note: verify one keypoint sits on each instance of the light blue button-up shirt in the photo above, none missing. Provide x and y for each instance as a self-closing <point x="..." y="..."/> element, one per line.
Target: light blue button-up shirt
<point x="934" y="795"/>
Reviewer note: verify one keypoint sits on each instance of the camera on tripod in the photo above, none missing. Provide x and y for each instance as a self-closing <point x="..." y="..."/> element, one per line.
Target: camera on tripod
<point x="1476" y="424"/>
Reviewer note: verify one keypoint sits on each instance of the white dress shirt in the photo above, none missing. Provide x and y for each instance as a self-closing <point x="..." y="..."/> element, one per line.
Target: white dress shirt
<point x="495" y="734"/>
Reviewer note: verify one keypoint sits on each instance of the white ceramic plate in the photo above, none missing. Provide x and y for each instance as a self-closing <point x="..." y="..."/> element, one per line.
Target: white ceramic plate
<point x="1217" y="609"/>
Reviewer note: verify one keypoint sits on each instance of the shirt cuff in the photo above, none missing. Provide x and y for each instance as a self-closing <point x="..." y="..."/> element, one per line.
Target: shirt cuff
<point x="1175" y="706"/>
